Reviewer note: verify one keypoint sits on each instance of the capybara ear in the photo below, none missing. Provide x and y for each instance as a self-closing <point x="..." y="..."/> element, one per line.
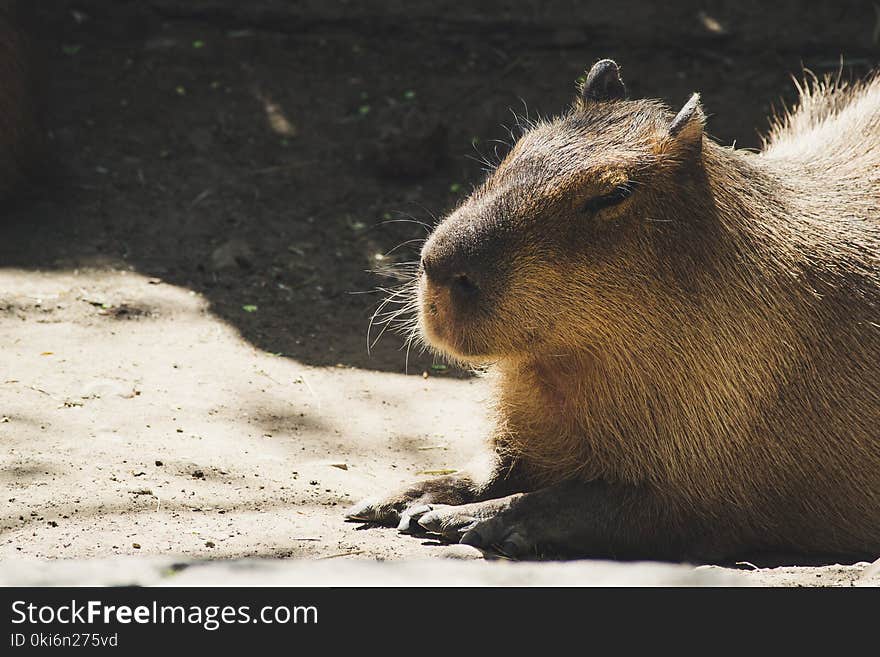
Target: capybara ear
<point x="603" y="82"/>
<point x="686" y="128"/>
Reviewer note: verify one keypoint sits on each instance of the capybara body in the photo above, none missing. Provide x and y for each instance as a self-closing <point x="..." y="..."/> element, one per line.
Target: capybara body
<point x="684" y="338"/>
<point x="22" y="139"/>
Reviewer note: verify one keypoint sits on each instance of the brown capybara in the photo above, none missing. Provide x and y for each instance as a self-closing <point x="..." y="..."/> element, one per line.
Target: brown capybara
<point x="22" y="139"/>
<point x="684" y="338"/>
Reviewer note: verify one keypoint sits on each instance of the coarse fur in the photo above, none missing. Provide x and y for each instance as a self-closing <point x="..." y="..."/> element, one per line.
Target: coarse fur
<point x="711" y="334"/>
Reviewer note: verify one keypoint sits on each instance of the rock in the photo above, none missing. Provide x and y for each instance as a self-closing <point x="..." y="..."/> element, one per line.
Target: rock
<point x="231" y="255"/>
<point x="104" y="388"/>
<point x="411" y="143"/>
<point x="870" y="575"/>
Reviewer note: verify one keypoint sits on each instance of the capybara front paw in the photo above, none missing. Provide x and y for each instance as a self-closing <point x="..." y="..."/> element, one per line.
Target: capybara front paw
<point x="373" y="509"/>
<point x="450" y="522"/>
<point x="498" y="535"/>
<point x="489" y="526"/>
<point x="404" y="508"/>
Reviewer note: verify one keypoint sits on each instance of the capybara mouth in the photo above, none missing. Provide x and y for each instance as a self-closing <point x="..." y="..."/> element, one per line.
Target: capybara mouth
<point x="446" y="327"/>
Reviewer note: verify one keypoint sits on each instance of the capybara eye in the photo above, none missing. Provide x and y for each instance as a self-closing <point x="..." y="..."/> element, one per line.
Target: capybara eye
<point x="620" y="194"/>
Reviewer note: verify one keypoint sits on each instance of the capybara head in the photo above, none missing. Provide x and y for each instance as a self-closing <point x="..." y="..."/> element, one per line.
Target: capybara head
<point x="566" y="236"/>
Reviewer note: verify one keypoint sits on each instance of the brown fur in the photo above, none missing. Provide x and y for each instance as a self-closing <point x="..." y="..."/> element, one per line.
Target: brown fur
<point x="715" y="336"/>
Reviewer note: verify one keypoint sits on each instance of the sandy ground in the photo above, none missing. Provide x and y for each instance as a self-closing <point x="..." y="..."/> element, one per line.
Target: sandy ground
<point x="160" y="430"/>
<point x="134" y="422"/>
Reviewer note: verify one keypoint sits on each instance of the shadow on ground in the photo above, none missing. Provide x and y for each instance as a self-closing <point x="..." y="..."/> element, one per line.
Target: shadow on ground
<point x="263" y="154"/>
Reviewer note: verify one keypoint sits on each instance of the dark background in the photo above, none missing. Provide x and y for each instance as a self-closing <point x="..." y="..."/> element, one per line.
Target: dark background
<point x="259" y="152"/>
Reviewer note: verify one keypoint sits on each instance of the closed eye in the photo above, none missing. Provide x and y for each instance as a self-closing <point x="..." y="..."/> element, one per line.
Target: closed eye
<point x="618" y="195"/>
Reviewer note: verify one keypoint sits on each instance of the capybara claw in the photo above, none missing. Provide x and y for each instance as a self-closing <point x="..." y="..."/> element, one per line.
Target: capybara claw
<point x="409" y="519"/>
<point x="369" y="510"/>
<point x="449" y="522"/>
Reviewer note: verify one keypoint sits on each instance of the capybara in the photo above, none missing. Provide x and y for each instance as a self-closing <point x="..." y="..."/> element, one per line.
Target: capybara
<point x="684" y="338"/>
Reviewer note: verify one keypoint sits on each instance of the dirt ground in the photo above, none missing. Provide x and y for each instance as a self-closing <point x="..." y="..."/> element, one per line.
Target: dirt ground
<point x="184" y="300"/>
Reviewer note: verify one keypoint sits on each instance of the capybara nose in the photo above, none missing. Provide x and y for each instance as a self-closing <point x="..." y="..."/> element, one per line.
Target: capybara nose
<point x="452" y="272"/>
